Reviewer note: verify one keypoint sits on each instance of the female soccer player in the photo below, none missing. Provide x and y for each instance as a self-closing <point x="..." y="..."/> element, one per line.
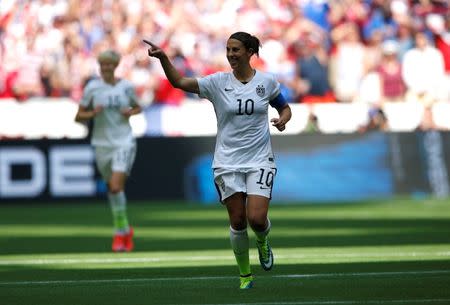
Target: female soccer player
<point x="243" y="165"/>
<point x="110" y="102"/>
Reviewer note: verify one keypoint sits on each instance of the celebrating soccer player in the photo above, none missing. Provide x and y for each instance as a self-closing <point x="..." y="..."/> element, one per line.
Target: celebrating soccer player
<point x="244" y="166"/>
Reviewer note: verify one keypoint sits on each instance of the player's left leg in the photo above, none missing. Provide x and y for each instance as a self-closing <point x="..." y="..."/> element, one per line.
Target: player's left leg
<point x="257" y="210"/>
<point x="259" y="192"/>
<point x="121" y="165"/>
<point x="123" y="235"/>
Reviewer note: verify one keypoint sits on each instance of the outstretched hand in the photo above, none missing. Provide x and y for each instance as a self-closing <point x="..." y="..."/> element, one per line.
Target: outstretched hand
<point x="154" y="50"/>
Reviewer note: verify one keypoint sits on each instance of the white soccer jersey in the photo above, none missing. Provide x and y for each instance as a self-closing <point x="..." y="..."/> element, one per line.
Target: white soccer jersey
<point x="111" y="128"/>
<point x="243" y="136"/>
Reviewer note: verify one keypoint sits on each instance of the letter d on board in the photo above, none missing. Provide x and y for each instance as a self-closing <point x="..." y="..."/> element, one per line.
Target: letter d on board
<point x="32" y="187"/>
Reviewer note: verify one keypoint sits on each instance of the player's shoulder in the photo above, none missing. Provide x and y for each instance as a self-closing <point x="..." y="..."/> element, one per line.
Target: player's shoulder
<point x="93" y="82"/>
<point x="220" y="75"/>
<point x="125" y="83"/>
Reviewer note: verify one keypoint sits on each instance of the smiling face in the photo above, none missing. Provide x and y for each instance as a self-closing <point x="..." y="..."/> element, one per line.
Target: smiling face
<point x="238" y="56"/>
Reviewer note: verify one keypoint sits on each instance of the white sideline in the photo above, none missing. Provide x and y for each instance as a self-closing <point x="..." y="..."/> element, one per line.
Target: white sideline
<point x="209" y="278"/>
<point x="347" y="302"/>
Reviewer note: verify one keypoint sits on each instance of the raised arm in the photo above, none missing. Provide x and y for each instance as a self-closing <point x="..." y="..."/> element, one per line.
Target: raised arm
<point x="188" y="84"/>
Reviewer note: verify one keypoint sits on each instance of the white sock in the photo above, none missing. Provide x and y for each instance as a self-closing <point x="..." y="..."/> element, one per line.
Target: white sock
<point x="240" y="245"/>
<point x="118" y="204"/>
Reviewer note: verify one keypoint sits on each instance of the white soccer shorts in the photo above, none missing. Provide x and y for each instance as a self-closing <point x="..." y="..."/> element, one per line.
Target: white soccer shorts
<point x="114" y="159"/>
<point x="252" y="181"/>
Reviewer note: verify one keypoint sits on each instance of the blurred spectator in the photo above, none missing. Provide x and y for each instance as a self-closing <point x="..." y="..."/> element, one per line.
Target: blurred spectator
<point x="312" y="125"/>
<point x="377" y="121"/>
<point x="373" y="51"/>
<point x="312" y="68"/>
<point x="380" y="20"/>
<point x="27" y="81"/>
<point x="392" y="87"/>
<point x="347" y="62"/>
<point x="440" y="30"/>
<point x="404" y="39"/>
<point x="422" y="71"/>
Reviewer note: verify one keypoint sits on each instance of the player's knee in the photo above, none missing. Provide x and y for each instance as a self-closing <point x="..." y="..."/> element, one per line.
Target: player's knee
<point x="115" y="188"/>
<point x="257" y="223"/>
<point x="238" y="222"/>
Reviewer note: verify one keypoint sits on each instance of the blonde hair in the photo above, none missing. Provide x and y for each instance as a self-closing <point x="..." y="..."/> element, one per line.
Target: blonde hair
<point x="109" y="55"/>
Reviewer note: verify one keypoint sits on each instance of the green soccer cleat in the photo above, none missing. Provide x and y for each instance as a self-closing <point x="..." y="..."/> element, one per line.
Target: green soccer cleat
<point x="246" y="281"/>
<point x="265" y="254"/>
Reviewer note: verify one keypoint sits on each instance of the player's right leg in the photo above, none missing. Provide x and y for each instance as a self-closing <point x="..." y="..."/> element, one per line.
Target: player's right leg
<point x="231" y="187"/>
<point x="114" y="165"/>
<point x="239" y="237"/>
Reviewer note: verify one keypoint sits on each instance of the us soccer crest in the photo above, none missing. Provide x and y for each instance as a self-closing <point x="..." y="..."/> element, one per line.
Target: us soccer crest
<point x="260" y="90"/>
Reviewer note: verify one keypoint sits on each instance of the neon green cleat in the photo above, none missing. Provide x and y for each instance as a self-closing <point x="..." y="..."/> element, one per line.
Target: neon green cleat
<point x="265" y="254"/>
<point x="246" y="281"/>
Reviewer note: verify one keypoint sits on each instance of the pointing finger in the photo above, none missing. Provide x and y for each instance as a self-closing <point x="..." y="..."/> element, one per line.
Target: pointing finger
<point x="148" y="42"/>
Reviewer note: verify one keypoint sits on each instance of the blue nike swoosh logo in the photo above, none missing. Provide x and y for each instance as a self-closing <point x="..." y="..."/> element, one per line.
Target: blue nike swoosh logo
<point x="228" y="89"/>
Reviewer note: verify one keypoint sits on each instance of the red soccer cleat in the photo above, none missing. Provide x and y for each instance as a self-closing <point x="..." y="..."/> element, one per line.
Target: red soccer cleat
<point x="118" y="244"/>
<point x="123" y="242"/>
<point x="128" y="241"/>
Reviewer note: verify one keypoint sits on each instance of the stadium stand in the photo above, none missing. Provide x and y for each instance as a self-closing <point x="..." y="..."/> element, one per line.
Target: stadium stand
<point x="326" y="54"/>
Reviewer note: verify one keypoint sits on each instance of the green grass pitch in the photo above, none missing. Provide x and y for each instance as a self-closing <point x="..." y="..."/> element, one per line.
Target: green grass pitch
<point x="372" y="253"/>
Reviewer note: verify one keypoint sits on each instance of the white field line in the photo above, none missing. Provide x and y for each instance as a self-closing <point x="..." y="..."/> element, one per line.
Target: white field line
<point x="348" y="302"/>
<point x="210" y="278"/>
<point x="121" y="260"/>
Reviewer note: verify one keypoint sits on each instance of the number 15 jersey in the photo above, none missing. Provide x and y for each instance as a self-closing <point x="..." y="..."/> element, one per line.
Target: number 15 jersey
<point x="243" y="135"/>
<point x="111" y="128"/>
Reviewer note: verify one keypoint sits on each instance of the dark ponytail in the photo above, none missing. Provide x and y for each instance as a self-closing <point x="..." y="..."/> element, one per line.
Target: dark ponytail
<point x="249" y="41"/>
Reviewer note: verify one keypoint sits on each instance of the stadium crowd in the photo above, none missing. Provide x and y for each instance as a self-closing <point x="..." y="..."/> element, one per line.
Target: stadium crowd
<point x="342" y="51"/>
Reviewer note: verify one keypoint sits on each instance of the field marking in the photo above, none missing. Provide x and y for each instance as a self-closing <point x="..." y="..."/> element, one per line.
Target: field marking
<point x="348" y="302"/>
<point x="65" y="261"/>
<point x="209" y="278"/>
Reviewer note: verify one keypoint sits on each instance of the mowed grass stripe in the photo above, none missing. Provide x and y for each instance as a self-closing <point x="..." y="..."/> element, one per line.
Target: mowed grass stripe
<point x="283" y="255"/>
<point x="211" y="278"/>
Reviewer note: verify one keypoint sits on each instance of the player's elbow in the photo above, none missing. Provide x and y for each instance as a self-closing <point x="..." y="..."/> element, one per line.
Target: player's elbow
<point x="80" y="118"/>
<point x="187" y="84"/>
<point x="177" y="84"/>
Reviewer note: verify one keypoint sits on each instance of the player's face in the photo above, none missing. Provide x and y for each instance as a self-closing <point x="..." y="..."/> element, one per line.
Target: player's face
<point x="107" y="67"/>
<point x="237" y="54"/>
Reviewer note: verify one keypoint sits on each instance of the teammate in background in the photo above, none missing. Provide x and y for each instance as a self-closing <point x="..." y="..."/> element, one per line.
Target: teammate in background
<point x="110" y="102"/>
<point x="244" y="166"/>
